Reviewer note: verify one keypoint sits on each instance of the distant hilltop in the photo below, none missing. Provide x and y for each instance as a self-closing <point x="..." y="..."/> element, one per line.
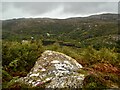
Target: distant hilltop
<point x="97" y="30"/>
<point x="95" y="16"/>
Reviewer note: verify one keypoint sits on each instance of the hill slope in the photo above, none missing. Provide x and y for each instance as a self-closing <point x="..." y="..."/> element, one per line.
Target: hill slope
<point x="96" y="30"/>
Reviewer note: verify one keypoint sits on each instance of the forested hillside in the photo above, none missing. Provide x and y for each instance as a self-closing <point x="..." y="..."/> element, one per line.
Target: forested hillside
<point x="96" y="30"/>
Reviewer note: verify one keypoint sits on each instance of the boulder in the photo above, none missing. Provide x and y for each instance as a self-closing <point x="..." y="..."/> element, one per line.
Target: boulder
<point x="54" y="70"/>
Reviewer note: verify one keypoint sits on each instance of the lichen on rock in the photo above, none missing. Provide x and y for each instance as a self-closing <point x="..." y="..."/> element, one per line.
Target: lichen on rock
<point x="54" y="70"/>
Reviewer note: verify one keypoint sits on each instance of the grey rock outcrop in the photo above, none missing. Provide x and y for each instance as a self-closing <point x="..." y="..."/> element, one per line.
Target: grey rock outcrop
<point x="54" y="70"/>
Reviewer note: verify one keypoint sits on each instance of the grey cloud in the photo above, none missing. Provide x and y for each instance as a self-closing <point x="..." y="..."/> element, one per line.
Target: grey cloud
<point x="6" y="6"/>
<point x="36" y="7"/>
<point x="72" y="7"/>
<point x="83" y="8"/>
<point x="91" y="7"/>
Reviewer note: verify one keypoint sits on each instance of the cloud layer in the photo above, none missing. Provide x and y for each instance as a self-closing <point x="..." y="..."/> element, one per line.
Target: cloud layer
<point x="55" y="9"/>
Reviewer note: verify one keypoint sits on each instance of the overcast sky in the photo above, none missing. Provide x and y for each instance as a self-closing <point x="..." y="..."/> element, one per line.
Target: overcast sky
<point x="56" y="9"/>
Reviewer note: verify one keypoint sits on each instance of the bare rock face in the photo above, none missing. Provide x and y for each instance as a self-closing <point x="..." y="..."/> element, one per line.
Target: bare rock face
<point x="54" y="70"/>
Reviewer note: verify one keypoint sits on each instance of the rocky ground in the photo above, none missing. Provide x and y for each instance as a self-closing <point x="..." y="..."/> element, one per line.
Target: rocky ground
<point x="54" y="70"/>
<point x="57" y="70"/>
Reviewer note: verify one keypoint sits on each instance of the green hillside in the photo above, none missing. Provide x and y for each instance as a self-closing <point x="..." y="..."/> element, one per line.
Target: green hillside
<point x="96" y="30"/>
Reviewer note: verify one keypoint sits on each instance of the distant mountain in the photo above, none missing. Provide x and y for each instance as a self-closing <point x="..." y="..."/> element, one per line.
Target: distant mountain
<point x="96" y="30"/>
<point x="105" y="16"/>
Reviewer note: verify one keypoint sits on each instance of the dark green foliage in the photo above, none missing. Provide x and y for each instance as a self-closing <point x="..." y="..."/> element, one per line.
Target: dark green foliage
<point x="20" y="57"/>
<point x="93" y="56"/>
<point x="6" y="76"/>
<point x="100" y="80"/>
<point x="92" y="81"/>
